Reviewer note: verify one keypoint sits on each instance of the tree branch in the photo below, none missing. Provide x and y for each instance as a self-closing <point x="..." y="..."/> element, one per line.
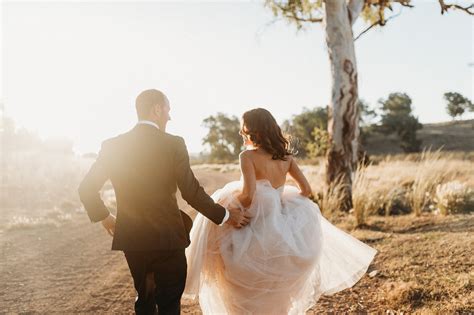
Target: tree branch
<point x="262" y="29"/>
<point x="380" y="22"/>
<point x="292" y="15"/>
<point x="311" y="20"/>
<point x="405" y="3"/>
<point x="445" y="7"/>
<point x="386" y="3"/>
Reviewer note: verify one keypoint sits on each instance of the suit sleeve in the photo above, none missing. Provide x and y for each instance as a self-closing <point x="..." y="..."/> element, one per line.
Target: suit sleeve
<point x="190" y="188"/>
<point x="89" y="189"/>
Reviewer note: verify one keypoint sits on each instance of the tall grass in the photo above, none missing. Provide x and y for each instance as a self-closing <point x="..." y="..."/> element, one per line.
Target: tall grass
<point x="364" y="199"/>
<point x="330" y="198"/>
<point x="431" y="171"/>
<point x="374" y="195"/>
<point x="394" y="186"/>
<point x="40" y="180"/>
<point x="35" y="184"/>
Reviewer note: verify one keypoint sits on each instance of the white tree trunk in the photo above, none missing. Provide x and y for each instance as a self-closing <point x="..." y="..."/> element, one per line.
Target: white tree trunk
<point x="343" y="124"/>
<point x="355" y="8"/>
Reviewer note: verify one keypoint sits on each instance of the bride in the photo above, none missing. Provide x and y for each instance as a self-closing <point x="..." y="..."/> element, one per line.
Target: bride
<point x="289" y="254"/>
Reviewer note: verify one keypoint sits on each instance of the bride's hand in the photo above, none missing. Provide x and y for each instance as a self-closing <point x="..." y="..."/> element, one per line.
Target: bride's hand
<point x="306" y="193"/>
<point x="310" y="196"/>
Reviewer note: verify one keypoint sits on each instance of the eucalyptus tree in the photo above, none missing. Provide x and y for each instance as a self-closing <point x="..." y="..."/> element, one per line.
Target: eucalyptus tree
<point x="338" y="18"/>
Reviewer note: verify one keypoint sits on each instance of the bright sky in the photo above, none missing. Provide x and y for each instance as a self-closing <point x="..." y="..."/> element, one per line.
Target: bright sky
<point x="73" y="69"/>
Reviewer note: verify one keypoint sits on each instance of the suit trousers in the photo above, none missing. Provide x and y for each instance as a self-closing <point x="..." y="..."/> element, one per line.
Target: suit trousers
<point x="159" y="278"/>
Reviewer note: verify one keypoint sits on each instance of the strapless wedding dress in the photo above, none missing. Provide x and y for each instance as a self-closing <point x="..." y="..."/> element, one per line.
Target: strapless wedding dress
<point x="281" y="263"/>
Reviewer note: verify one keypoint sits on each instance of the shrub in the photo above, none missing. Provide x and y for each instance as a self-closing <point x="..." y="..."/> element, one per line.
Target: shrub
<point x="454" y="197"/>
<point x="395" y="202"/>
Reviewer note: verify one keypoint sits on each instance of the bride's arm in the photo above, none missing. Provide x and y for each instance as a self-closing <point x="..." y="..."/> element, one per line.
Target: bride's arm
<point x="248" y="174"/>
<point x="296" y="173"/>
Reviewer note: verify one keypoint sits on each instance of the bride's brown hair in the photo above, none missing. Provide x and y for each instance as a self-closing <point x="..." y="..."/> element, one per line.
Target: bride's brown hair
<point x="261" y="128"/>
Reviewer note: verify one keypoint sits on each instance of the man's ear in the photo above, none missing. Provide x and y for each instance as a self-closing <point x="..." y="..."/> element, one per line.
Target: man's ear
<point x="156" y="109"/>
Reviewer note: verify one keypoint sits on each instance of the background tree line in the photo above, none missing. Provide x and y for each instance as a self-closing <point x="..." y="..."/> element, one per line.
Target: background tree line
<point x="308" y="130"/>
<point x="20" y="140"/>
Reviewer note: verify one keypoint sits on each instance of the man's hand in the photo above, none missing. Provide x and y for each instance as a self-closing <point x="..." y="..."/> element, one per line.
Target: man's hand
<point x="109" y="224"/>
<point x="238" y="218"/>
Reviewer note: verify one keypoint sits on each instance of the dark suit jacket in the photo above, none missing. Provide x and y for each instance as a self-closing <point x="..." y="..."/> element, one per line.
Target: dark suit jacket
<point x="146" y="166"/>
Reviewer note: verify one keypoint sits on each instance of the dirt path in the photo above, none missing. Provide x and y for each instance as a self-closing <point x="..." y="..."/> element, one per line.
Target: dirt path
<point x="66" y="269"/>
<point x="70" y="269"/>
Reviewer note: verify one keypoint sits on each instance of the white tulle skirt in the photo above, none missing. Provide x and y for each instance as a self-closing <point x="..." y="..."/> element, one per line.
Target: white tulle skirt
<point x="281" y="263"/>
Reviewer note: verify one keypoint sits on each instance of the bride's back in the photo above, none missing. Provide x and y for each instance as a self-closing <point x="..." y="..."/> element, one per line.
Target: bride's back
<point x="272" y="170"/>
<point x="260" y="129"/>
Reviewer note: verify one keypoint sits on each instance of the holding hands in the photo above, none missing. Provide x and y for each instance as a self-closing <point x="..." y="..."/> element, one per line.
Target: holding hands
<point x="109" y="224"/>
<point x="238" y="218"/>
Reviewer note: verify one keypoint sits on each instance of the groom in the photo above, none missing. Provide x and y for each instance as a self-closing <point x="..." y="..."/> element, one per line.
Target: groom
<point x="146" y="166"/>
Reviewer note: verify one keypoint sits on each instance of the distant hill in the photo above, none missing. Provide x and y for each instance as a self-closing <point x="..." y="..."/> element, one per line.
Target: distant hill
<point x="451" y="136"/>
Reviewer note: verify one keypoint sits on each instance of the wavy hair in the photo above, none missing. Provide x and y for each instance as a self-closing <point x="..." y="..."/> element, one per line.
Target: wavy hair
<point x="261" y="128"/>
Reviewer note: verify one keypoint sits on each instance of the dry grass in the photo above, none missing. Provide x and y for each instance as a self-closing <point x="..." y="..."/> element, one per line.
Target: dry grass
<point x="330" y="198"/>
<point x="37" y="180"/>
<point x="364" y="197"/>
<point x="50" y="218"/>
<point x="409" y="294"/>
<point x="415" y="157"/>
<point x="423" y="266"/>
<point x="24" y="222"/>
<point x="395" y="186"/>
<point x="223" y="168"/>
<point x="431" y="171"/>
<point x="39" y="189"/>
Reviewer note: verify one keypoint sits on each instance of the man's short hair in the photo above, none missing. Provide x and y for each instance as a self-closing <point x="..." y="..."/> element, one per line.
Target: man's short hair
<point x="146" y="100"/>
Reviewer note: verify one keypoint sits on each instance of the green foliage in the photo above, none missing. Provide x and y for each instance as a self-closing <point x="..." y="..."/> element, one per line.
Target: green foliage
<point x="300" y="12"/>
<point x="223" y="137"/>
<point x="320" y="143"/>
<point x="310" y="129"/>
<point x="366" y="117"/>
<point x="370" y="14"/>
<point x="457" y="104"/>
<point x="397" y="118"/>
<point x="375" y="11"/>
<point x="302" y="127"/>
<point x="367" y="114"/>
<point x="297" y="11"/>
<point x="407" y="134"/>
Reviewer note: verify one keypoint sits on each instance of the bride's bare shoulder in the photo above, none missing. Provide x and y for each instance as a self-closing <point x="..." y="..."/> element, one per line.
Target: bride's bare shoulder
<point x="249" y="153"/>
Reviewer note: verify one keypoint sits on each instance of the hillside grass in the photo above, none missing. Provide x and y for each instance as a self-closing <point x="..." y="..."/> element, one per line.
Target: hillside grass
<point x="456" y="135"/>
